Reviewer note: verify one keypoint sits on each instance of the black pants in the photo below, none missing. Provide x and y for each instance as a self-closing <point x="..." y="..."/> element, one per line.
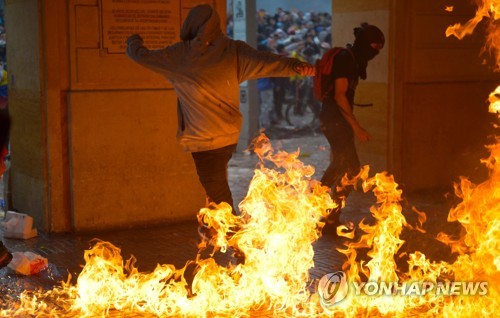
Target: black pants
<point x="211" y="167"/>
<point x="344" y="157"/>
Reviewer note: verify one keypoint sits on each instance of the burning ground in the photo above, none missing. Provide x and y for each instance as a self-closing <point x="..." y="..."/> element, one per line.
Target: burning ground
<point x="281" y="218"/>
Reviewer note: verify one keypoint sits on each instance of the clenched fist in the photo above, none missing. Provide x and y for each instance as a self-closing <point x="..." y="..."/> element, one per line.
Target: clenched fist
<point x="306" y="69"/>
<point x="133" y="37"/>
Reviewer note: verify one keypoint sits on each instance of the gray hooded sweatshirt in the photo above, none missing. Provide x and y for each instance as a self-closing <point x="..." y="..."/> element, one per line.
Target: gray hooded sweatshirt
<point x="205" y="70"/>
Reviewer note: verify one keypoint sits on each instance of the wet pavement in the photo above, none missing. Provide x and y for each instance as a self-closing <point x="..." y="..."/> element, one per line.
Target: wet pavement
<point x="177" y="243"/>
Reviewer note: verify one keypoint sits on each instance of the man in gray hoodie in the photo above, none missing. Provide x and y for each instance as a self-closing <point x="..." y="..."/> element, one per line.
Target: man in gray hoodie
<point x="206" y="69"/>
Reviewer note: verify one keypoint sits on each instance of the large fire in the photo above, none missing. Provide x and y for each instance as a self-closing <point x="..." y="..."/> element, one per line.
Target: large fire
<point x="281" y="217"/>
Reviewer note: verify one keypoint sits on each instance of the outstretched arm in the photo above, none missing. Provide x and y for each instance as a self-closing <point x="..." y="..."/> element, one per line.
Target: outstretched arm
<point x="157" y="60"/>
<point x="254" y="64"/>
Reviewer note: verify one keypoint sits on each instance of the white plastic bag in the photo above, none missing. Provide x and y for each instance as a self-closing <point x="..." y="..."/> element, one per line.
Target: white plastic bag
<point x="27" y="263"/>
<point x="18" y="225"/>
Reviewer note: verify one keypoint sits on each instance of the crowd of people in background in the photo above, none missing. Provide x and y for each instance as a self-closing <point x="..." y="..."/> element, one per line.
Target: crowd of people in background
<point x="3" y="93"/>
<point x="5" y="255"/>
<point x="304" y="35"/>
<point x="3" y="64"/>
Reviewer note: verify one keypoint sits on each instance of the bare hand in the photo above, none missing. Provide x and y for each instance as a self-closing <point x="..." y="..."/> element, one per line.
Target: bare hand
<point x="362" y="135"/>
<point x="306" y="69"/>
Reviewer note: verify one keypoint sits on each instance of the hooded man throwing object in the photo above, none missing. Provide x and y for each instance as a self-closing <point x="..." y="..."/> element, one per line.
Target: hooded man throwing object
<point x="205" y="69"/>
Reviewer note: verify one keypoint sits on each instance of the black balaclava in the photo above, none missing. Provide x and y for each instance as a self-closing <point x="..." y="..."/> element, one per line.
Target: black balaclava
<point x="365" y="35"/>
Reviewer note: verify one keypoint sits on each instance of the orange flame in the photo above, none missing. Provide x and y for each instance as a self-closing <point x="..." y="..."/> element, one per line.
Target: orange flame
<point x="281" y="217"/>
<point x="489" y="9"/>
<point x="495" y="101"/>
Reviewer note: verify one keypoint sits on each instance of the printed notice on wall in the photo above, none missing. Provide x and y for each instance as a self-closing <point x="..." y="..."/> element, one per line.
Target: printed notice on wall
<point x="157" y="21"/>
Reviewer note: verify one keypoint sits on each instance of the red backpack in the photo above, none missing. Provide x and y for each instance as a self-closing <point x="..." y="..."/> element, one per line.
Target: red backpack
<point x="323" y="84"/>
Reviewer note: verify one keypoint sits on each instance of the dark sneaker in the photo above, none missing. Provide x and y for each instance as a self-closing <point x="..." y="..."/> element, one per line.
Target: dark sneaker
<point x="5" y="256"/>
<point x="332" y="220"/>
<point x="189" y="274"/>
<point x="238" y="256"/>
<point x="330" y="230"/>
<point x="206" y="233"/>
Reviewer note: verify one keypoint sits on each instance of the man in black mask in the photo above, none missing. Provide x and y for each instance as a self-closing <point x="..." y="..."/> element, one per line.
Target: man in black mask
<point x="338" y="123"/>
<point x="369" y="40"/>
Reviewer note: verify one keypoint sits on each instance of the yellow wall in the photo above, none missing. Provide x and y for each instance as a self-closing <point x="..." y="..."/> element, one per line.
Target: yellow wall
<point x="127" y="167"/>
